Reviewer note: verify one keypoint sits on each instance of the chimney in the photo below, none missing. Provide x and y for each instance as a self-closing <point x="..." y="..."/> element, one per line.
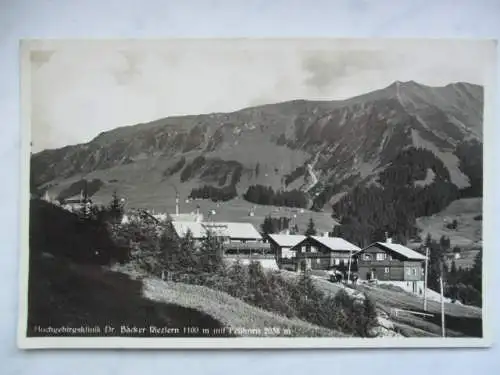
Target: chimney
<point x="198" y="210"/>
<point x="388" y="240"/>
<point x="325" y="234"/>
<point x="287" y="231"/>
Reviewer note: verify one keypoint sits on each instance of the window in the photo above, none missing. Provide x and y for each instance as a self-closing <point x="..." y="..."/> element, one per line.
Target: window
<point x="386" y="269"/>
<point x="337" y="261"/>
<point x="380" y="256"/>
<point x="408" y="271"/>
<point x="414" y="271"/>
<point x="367" y="257"/>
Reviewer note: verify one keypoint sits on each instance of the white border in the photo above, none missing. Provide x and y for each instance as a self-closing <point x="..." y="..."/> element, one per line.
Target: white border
<point x="24" y="342"/>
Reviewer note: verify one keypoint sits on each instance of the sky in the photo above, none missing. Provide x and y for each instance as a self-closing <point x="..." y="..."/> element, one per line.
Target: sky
<point x="81" y="88"/>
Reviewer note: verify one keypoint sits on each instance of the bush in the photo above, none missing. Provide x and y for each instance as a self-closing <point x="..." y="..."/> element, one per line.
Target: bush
<point x="301" y="299"/>
<point x="143" y="240"/>
<point x="155" y="250"/>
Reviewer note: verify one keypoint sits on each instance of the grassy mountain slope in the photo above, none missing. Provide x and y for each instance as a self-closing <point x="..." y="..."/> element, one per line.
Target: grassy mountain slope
<point x="335" y="144"/>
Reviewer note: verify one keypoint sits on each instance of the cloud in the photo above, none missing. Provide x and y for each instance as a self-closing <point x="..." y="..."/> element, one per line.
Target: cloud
<point x="326" y="69"/>
<point x="80" y="90"/>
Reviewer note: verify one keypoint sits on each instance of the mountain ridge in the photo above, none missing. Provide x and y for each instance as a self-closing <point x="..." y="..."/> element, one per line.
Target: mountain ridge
<point x="350" y="141"/>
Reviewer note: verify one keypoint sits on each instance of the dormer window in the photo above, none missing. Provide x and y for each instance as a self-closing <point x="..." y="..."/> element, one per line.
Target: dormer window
<point x="381" y="256"/>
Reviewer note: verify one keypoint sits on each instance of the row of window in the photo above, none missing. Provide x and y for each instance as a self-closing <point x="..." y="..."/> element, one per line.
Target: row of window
<point x="378" y="256"/>
<point x="409" y="271"/>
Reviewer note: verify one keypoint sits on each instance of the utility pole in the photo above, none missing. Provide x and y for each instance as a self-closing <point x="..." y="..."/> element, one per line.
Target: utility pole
<point x="349" y="267"/>
<point x="442" y="300"/>
<point x="176" y="203"/>
<point x="425" y="275"/>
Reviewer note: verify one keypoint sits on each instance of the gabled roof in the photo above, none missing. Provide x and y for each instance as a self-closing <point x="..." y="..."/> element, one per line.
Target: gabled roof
<point x="399" y="249"/>
<point x="287" y="240"/>
<point x="182" y="227"/>
<point x="231" y="230"/>
<point x="336" y="243"/>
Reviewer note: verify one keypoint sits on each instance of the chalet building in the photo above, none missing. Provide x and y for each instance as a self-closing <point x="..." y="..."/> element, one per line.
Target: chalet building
<point x="282" y="246"/>
<point x="390" y="263"/>
<point x="241" y="241"/>
<point x="323" y="252"/>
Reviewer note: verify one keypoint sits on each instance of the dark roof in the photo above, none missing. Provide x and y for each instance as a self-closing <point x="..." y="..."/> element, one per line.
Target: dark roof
<point x="332" y="243"/>
<point x="397" y="248"/>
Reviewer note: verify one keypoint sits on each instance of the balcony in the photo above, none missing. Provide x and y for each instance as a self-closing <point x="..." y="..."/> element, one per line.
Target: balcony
<point x="248" y="250"/>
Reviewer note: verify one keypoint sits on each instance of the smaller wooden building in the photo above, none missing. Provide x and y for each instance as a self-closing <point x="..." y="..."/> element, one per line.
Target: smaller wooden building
<point x="387" y="262"/>
<point x="324" y="253"/>
<point x="282" y="246"/>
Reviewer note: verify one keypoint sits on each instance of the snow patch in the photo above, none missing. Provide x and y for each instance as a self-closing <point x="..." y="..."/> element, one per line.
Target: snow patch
<point x="337" y="197"/>
<point x="429" y="179"/>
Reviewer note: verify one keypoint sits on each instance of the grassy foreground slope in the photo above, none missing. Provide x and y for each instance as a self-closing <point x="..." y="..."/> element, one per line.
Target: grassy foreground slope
<point x="461" y="320"/>
<point x="65" y="294"/>
<point x="69" y="285"/>
<point x="231" y="312"/>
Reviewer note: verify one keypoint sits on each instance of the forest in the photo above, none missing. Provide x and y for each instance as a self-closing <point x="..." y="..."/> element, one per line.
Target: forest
<point x="214" y="193"/>
<point x="265" y="195"/>
<point x="395" y="201"/>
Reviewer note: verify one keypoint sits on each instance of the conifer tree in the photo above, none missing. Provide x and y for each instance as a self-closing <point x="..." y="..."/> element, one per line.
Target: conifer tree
<point x="211" y="252"/>
<point x="115" y="208"/>
<point x="267" y="226"/>
<point x="311" y="228"/>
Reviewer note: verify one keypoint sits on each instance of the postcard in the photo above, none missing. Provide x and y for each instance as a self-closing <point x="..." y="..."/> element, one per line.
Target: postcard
<point x="255" y="193"/>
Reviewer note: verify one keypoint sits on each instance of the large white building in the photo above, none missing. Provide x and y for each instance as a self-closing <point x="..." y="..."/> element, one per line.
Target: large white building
<point x="241" y="241"/>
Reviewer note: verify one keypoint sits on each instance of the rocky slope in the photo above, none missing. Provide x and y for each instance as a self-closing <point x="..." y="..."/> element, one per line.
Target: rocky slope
<point x="283" y="145"/>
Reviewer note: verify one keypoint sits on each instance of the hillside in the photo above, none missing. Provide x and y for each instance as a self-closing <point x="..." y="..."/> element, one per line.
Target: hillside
<point x="71" y="284"/>
<point x="322" y="148"/>
<point x="468" y="214"/>
<point x="461" y="320"/>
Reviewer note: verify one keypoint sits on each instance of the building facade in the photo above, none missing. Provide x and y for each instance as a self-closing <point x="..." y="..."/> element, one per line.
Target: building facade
<point x="386" y="262"/>
<point x="282" y="247"/>
<point x="240" y="241"/>
<point x="324" y="253"/>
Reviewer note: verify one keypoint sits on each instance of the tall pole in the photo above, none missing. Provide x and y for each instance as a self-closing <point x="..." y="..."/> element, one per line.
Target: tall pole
<point x="425" y="277"/>
<point x="442" y="299"/>
<point x="349" y="267"/>
<point x="177" y="197"/>
<point x="176" y="203"/>
<point x="442" y="307"/>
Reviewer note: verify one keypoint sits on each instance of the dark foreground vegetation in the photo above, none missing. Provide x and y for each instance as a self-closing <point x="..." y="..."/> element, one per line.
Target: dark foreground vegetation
<point x="65" y="294"/>
<point x="67" y="286"/>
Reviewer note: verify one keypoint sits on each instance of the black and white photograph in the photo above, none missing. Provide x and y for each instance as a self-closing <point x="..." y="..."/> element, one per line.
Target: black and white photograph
<point x="254" y="193"/>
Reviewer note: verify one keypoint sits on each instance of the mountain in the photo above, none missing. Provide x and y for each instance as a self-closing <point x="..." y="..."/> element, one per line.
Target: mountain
<point x="319" y="150"/>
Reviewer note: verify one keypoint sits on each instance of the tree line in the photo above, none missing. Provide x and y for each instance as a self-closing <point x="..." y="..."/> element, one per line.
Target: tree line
<point x="216" y="194"/>
<point x="265" y="195"/>
<point x="392" y="205"/>
<point x="460" y="284"/>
